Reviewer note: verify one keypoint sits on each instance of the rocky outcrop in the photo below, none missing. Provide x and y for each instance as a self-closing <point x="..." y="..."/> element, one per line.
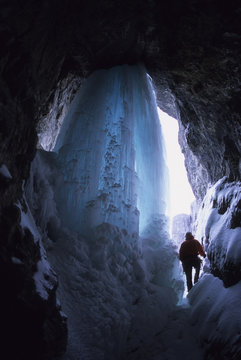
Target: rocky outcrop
<point x="50" y="121"/>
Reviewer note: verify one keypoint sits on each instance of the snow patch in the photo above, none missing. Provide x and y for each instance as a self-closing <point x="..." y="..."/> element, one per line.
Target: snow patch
<point x="45" y="279"/>
<point x="16" y="260"/>
<point x="27" y="221"/>
<point x="5" y="172"/>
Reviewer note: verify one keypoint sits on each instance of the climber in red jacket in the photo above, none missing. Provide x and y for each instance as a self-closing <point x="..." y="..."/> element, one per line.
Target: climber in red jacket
<point x="188" y="254"/>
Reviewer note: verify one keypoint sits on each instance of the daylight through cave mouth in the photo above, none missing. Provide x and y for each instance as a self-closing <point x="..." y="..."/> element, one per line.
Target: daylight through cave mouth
<point x="181" y="194"/>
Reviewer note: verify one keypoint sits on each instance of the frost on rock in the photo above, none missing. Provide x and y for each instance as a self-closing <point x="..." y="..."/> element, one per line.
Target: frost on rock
<point x="219" y="228"/>
<point x="38" y="326"/>
<point x="44" y="278"/>
<point x="99" y="201"/>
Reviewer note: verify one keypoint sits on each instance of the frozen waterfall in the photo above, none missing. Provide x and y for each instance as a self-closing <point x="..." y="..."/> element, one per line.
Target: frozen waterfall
<point x="111" y="154"/>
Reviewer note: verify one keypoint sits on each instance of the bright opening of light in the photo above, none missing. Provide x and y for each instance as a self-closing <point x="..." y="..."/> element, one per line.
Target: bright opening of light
<point x="181" y="195"/>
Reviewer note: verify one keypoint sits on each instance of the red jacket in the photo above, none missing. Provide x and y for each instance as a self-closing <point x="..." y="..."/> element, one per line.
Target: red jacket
<point x="190" y="247"/>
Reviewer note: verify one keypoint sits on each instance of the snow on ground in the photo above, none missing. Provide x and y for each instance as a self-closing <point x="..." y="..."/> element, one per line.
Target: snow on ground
<point x="216" y="316"/>
<point x="177" y="340"/>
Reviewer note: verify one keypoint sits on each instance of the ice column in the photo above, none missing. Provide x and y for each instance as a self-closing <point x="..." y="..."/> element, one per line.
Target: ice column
<point x="110" y="153"/>
<point x="149" y="153"/>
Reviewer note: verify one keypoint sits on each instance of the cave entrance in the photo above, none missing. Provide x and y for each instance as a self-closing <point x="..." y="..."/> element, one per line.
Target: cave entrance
<point x="181" y="195"/>
<point x="121" y="119"/>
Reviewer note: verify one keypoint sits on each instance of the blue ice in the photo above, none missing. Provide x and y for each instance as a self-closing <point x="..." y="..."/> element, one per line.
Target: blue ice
<point x="111" y="154"/>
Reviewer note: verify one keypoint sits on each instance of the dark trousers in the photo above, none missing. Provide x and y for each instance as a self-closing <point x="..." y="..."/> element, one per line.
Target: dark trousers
<point x="188" y="263"/>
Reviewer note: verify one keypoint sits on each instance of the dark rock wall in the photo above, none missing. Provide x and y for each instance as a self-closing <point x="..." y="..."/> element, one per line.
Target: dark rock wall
<point x="50" y="120"/>
<point x="191" y="48"/>
<point x="32" y="327"/>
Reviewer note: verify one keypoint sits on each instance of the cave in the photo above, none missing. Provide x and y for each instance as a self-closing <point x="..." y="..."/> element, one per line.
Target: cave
<point x="104" y="283"/>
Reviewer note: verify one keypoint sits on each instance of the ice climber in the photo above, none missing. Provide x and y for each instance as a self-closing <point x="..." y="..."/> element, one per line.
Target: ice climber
<point x="188" y="254"/>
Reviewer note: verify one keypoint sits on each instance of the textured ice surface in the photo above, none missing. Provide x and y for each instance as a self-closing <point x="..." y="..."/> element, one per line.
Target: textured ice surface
<point x="110" y="151"/>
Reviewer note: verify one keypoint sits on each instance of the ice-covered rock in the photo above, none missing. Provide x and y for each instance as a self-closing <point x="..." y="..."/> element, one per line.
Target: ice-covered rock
<point x="219" y="229"/>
